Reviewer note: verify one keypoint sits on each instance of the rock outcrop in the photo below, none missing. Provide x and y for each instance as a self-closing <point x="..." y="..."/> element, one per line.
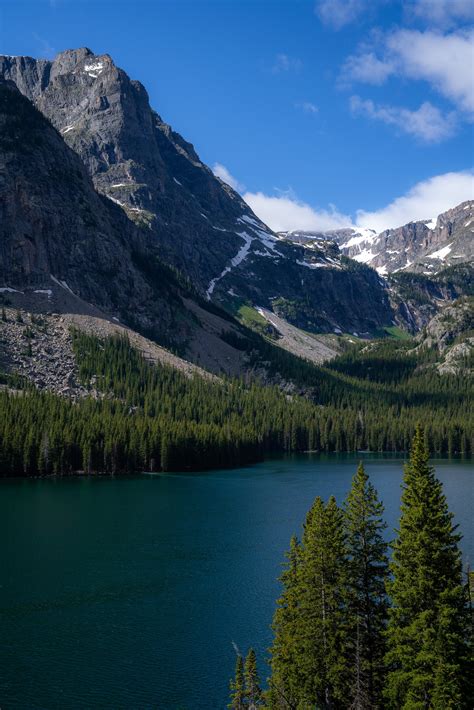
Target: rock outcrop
<point x="59" y="238"/>
<point x="425" y="246"/>
<point x="197" y="223"/>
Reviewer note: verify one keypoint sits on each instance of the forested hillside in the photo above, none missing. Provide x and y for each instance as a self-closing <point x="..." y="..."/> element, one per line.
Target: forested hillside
<point x="153" y="417"/>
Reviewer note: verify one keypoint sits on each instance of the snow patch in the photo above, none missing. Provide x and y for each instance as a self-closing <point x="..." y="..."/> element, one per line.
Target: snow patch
<point x="441" y="253"/>
<point x="62" y="283"/>
<point x="46" y="291"/>
<point x="238" y="258"/>
<point x="178" y="182"/>
<point x="117" y="202"/>
<point x="431" y="224"/>
<point x="266" y="238"/>
<point x="7" y="289"/>
<point x="361" y="236"/>
<point x="94" y="70"/>
<point x="382" y="270"/>
<point x="365" y="256"/>
<point x="249" y="220"/>
<point x="67" y="129"/>
<point x="312" y="264"/>
<point x="267" y="317"/>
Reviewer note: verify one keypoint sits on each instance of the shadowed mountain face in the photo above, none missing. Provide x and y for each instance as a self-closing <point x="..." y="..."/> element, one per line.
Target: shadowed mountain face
<point x="135" y="158"/>
<point x="64" y="245"/>
<point x="198" y="223"/>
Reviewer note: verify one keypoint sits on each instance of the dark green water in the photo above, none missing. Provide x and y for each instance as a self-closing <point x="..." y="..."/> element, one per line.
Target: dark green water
<point x="130" y="593"/>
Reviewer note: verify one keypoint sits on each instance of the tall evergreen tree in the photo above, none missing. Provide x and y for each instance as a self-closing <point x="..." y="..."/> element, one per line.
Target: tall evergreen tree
<point x="321" y="632"/>
<point x="253" y="691"/>
<point x="286" y="672"/>
<point x="237" y="686"/>
<point x="429" y="622"/>
<point x="367" y="603"/>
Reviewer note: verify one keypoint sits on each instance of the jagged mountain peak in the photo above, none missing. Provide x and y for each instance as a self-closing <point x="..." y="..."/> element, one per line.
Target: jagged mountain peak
<point x="426" y="245"/>
<point x="199" y="224"/>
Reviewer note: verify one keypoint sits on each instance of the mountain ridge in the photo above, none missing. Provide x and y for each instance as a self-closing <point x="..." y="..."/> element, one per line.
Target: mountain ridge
<point x="143" y="179"/>
<point x="425" y="246"/>
<point x="201" y="226"/>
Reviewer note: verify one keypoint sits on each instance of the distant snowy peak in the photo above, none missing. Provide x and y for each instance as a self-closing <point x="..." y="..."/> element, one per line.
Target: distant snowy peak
<point x="426" y="246"/>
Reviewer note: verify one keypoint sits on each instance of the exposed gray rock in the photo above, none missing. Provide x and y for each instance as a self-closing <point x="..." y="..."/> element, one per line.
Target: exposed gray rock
<point x="429" y="246"/>
<point x="198" y="223"/>
<point x="424" y="246"/>
<point x="453" y="321"/>
<point x="58" y="235"/>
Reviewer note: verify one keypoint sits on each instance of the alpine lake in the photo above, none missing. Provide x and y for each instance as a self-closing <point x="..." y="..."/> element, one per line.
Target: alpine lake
<point x="135" y="592"/>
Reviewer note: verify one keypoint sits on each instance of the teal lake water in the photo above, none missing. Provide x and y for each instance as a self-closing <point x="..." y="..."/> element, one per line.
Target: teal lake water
<point x="130" y="593"/>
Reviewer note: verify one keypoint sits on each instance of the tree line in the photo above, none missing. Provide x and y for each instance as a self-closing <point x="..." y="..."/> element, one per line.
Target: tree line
<point x="153" y="417"/>
<point x="355" y="630"/>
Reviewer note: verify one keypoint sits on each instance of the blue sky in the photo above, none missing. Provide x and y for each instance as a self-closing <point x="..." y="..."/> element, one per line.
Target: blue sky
<point x="321" y="112"/>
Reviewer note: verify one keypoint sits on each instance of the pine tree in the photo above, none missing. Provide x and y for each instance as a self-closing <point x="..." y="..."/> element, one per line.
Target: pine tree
<point x="253" y="691"/>
<point x="321" y="633"/>
<point x="286" y="677"/>
<point x="366" y="598"/>
<point x="237" y="686"/>
<point x="429" y="622"/>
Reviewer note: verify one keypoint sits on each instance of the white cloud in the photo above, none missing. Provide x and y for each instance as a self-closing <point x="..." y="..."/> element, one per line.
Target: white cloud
<point x="442" y="13"/>
<point x="425" y="200"/>
<point x="221" y="172"/>
<point x="338" y="13"/>
<point x="285" y="212"/>
<point x="367" y="68"/>
<point x="283" y="63"/>
<point x="445" y="61"/>
<point x="427" y="123"/>
<point x="307" y="107"/>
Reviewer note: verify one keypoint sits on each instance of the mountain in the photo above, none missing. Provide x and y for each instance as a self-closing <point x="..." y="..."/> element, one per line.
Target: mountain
<point x="76" y="268"/>
<point x="65" y="248"/>
<point x="198" y="224"/>
<point x="424" y="246"/>
<point x="57" y="233"/>
<point x="451" y="333"/>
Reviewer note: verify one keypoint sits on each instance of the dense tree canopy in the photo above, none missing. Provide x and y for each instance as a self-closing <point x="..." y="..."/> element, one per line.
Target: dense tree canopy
<point x="428" y="634"/>
<point x="347" y="635"/>
<point x="154" y="417"/>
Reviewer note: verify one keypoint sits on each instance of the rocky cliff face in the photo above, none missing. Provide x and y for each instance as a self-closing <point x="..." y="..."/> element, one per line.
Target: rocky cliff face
<point x="425" y="247"/>
<point x="198" y="224"/>
<point x="134" y="158"/>
<point x="451" y="332"/>
<point x="66" y="248"/>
